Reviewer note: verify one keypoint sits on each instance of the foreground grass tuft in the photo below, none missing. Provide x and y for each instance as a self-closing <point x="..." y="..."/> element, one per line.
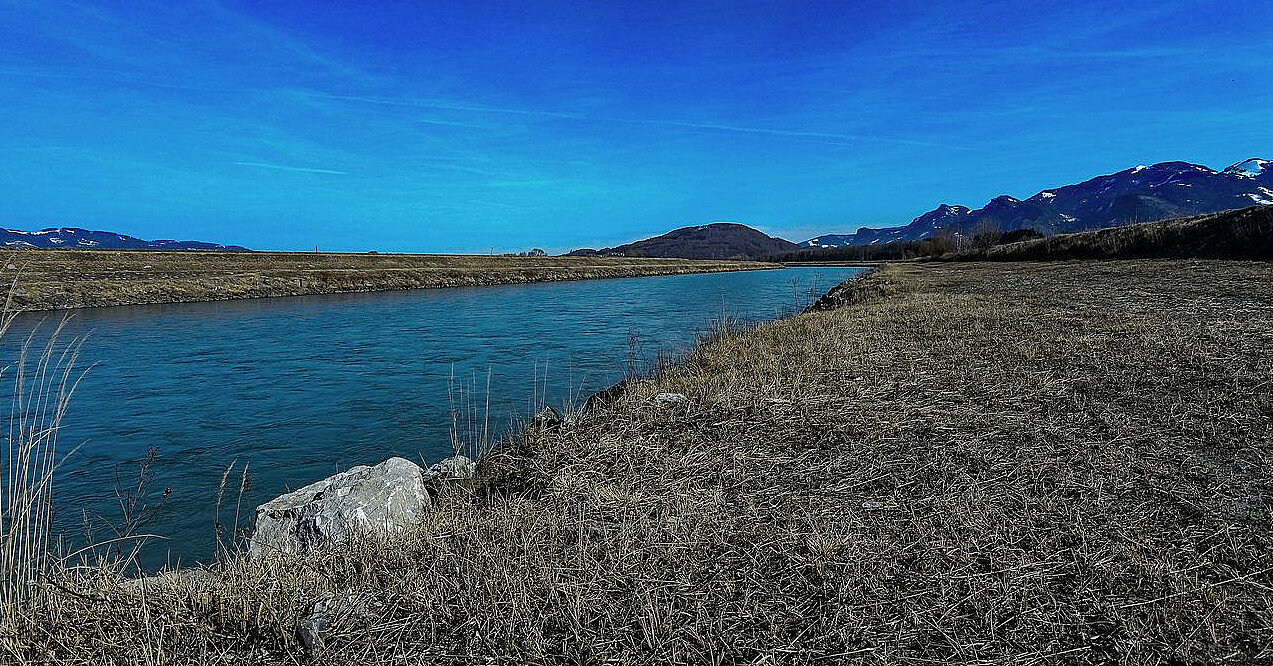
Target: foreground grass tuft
<point x="985" y="463"/>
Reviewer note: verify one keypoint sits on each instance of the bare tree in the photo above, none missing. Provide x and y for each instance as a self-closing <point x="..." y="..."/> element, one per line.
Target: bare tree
<point x="987" y="233"/>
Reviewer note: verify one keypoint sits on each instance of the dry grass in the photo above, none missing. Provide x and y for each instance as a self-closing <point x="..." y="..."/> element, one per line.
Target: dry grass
<point x="987" y="463"/>
<point x="55" y="279"/>
<point x="37" y="382"/>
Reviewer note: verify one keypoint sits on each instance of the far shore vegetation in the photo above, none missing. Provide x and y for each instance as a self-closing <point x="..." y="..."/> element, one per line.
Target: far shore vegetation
<point x="58" y="279"/>
<point x="990" y="462"/>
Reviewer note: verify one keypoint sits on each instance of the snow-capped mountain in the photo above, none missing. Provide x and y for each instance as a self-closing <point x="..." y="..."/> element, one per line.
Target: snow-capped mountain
<point x="76" y="238"/>
<point x="1139" y="194"/>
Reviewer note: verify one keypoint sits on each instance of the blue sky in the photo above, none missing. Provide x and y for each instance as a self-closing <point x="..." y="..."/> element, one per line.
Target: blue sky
<point x="462" y="126"/>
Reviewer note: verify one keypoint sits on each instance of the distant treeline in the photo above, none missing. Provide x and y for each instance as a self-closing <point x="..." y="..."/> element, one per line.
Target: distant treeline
<point x="1246" y="233"/>
<point x="936" y="246"/>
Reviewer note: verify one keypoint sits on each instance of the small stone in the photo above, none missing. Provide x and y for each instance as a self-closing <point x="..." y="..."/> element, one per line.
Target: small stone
<point x="455" y="468"/>
<point x="606" y="396"/>
<point x="310" y="628"/>
<point x="670" y="398"/>
<point x="546" y="418"/>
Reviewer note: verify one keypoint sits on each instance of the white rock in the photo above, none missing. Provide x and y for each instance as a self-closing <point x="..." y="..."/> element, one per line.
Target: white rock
<point x="670" y="398"/>
<point x="388" y="497"/>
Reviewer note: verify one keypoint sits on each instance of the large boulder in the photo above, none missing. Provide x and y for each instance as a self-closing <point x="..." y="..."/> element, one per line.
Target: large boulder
<point x="388" y="497"/>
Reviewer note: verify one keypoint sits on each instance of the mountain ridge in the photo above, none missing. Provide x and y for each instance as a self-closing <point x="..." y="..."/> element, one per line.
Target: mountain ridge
<point x="77" y="238"/>
<point x="1138" y="194"/>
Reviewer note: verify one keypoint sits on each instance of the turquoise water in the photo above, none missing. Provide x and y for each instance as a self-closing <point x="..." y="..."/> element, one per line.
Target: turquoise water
<point x="299" y="388"/>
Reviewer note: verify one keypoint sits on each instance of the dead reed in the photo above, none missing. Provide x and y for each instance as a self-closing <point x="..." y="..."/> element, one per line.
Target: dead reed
<point x="38" y="383"/>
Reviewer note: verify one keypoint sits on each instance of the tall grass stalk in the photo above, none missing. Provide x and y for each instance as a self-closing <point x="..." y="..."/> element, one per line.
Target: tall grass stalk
<point x="41" y="381"/>
<point x="470" y="415"/>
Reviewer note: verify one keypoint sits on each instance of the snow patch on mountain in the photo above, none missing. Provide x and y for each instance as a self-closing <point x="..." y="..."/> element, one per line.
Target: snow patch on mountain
<point x="1252" y="168"/>
<point x="1264" y="198"/>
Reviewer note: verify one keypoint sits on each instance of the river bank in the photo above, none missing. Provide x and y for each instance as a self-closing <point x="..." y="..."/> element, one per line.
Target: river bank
<point x="304" y="387"/>
<point x="62" y="279"/>
<point x="989" y="463"/>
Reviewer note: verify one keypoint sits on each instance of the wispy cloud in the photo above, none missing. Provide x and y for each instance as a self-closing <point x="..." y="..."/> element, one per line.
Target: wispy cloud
<point x="839" y="139"/>
<point x="286" y="54"/>
<point x="829" y="138"/>
<point x="481" y="202"/>
<point x="40" y="149"/>
<point x="283" y="167"/>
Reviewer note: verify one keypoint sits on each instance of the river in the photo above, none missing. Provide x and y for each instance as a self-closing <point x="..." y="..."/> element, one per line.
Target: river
<point x="296" y="389"/>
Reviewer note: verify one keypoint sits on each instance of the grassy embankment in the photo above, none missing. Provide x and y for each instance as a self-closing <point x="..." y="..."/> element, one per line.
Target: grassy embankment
<point x="55" y="279"/>
<point x="968" y="463"/>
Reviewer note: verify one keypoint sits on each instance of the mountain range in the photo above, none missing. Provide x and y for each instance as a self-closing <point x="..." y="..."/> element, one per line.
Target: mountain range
<point x="721" y="240"/>
<point x="1140" y="194"/>
<point x="76" y="238"/>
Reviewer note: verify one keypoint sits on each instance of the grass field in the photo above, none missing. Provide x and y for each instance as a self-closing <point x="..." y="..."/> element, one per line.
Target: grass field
<point x="55" y="279"/>
<point x="989" y="463"/>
